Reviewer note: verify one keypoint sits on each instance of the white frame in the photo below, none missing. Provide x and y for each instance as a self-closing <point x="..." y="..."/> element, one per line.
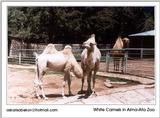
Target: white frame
<point x="78" y="110"/>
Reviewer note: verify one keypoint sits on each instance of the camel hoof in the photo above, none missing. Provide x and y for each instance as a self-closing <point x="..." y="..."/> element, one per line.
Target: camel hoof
<point x="38" y="97"/>
<point x="81" y="92"/>
<point x="70" y="94"/>
<point x="94" y="93"/>
<point x="89" y="92"/>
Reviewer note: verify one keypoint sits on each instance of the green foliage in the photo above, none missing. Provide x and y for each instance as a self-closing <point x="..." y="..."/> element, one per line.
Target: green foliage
<point x="75" y="24"/>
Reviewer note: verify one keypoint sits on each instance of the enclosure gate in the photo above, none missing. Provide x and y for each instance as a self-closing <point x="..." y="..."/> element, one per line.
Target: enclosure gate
<point x="122" y="60"/>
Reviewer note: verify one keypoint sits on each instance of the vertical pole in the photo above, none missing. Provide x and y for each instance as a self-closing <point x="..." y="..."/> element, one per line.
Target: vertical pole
<point x="141" y="53"/>
<point x="125" y="59"/>
<point x="19" y="60"/>
<point x="107" y="61"/>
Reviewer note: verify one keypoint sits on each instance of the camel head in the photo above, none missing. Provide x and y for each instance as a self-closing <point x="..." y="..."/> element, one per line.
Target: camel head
<point x="90" y="43"/>
<point x="125" y="42"/>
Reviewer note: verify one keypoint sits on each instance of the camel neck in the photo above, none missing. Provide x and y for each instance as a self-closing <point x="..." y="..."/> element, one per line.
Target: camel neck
<point x="89" y="52"/>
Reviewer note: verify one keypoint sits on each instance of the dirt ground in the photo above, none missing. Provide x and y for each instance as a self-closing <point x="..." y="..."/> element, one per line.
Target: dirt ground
<point x="20" y="89"/>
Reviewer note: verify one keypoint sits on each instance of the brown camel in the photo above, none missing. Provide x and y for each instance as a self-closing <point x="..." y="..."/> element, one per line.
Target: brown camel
<point x="118" y="54"/>
<point x="90" y="60"/>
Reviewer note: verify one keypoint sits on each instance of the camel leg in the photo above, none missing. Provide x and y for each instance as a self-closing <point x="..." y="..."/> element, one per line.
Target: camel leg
<point x="89" y="91"/>
<point x="40" y="85"/>
<point x="43" y="94"/>
<point x="63" y="86"/>
<point x="69" y="86"/>
<point x="39" y="82"/>
<point x="117" y="64"/>
<point x="67" y="75"/>
<point x="37" y="94"/>
<point x="40" y="71"/>
<point x="94" y="78"/>
<point x="36" y="84"/>
<point x="82" y="91"/>
<point x="36" y="87"/>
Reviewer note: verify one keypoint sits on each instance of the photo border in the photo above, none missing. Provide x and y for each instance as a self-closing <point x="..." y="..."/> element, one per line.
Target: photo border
<point x="85" y="109"/>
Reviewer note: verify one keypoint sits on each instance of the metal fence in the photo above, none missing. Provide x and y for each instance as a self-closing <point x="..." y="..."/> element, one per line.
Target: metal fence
<point x="138" y="61"/>
<point x="27" y="56"/>
<point x="21" y="56"/>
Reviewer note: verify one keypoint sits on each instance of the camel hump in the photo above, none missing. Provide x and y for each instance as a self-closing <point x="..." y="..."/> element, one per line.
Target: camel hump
<point x="68" y="47"/>
<point x="50" y="49"/>
<point x="67" y="50"/>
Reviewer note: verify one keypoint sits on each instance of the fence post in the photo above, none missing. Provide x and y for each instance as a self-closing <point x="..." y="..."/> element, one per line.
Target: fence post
<point x="141" y="53"/>
<point x="125" y="59"/>
<point x="19" y="59"/>
<point x="107" y="61"/>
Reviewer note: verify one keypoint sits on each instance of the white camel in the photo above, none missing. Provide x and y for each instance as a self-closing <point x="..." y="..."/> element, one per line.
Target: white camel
<point x="61" y="61"/>
<point x="90" y="60"/>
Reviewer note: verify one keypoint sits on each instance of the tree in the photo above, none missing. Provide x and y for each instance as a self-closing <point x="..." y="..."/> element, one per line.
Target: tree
<point x="75" y="24"/>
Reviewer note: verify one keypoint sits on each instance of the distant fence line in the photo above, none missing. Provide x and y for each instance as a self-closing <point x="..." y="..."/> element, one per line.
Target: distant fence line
<point x="27" y="56"/>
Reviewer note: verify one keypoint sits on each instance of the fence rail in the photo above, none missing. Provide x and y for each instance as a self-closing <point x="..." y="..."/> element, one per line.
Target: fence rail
<point x="21" y="56"/>
<point x="138" y="61"/>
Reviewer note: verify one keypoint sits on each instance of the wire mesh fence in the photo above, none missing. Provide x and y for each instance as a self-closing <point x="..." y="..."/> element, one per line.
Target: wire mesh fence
<point x="134" y="59"/>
